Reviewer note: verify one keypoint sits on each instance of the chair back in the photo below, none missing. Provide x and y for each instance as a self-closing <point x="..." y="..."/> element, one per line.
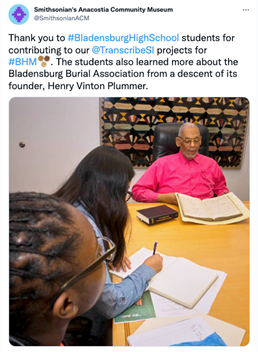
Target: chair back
<point x="19" y="340"/>
<point x="164" y="142"/>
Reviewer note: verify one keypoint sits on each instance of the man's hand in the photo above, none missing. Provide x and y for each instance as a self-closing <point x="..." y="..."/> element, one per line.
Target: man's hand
<point x="125" y="263"/>
<point x="167" y="198"/>
<point x="155" y="262"/>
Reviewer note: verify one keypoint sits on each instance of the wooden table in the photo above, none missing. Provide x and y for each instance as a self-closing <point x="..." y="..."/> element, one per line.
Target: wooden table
<point x="220" y="247"/>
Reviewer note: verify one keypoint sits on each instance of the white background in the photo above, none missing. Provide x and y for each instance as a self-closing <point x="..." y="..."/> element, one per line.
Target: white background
<point x="189" y="17"/>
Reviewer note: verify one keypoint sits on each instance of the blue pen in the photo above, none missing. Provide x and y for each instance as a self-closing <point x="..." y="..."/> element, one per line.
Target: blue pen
<point x="154" y="247"/>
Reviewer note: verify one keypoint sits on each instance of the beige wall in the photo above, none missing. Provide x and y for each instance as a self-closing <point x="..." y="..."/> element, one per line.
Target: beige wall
<point x="58" y="133"/>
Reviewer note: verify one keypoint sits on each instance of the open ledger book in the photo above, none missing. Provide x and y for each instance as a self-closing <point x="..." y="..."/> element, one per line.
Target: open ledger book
<point x="180" y="280"/>
<point x="224" y="209"/>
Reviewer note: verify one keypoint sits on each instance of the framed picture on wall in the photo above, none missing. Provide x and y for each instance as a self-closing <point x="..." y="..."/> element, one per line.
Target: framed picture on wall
<point x="128" y="124"/>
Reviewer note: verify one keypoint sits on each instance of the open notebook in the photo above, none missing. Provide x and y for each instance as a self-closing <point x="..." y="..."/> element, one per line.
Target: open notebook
<point x="180" y="280"/>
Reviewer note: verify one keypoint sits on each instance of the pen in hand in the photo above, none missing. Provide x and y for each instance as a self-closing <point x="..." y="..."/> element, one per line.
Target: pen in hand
<point x="155" y="261"/>
<point x="154" y="248"/>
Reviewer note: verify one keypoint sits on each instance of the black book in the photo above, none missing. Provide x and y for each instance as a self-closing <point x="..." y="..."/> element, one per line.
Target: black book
<point x="157" y="214"/>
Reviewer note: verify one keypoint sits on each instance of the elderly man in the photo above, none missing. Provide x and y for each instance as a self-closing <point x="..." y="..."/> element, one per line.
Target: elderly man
<point x="186" y="172"/>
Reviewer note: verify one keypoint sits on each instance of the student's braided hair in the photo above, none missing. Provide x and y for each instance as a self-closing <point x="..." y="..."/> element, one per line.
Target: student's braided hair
<point x="43" y="246"/>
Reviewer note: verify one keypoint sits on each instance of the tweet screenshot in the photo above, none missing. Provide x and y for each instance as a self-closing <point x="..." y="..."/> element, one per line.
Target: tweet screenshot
<point x="129" y="174"/>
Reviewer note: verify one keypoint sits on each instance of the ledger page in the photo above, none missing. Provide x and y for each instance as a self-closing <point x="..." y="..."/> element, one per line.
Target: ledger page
<point x="222" y="208"/>
<point x="194" y="208"/>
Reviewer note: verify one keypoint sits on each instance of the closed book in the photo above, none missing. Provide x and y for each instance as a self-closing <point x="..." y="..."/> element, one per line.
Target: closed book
<point x="157" y="214"/>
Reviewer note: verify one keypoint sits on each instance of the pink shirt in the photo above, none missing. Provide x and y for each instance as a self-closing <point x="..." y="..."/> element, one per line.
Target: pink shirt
<point x="200" y="177"/>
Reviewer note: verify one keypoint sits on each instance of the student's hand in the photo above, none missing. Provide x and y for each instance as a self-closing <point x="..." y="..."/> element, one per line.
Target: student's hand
<point x="139" y="302"/>
<point x="167" y="198"/>
<point x="124" y="264"/>
<point x="155" y="262"/>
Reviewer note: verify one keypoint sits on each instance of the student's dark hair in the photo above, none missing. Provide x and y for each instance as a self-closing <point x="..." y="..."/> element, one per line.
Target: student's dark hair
<point x="100" y="184"/>
<point x="43" y="247"/>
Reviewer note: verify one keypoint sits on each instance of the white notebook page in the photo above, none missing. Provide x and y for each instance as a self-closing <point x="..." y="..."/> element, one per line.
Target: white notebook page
<point x="138" y="258"/>
<point x="184" y="281"/>
<point x="193" y="329"/>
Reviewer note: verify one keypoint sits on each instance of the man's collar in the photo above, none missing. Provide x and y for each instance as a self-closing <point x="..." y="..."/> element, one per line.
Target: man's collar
<point x="184" y="160"/>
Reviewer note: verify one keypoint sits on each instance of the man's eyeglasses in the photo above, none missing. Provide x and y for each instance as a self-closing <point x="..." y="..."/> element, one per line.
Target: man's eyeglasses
<point x="128" y="196"/>
<point x="189" y="140"/>
<point x="107" y="253"/>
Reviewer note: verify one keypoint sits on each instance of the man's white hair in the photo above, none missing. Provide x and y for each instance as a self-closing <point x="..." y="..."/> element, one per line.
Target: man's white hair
<point x="185" y="125"/>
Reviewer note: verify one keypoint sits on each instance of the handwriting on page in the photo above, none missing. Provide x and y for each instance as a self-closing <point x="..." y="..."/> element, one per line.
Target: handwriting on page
<point x="166" y="308"/>
<point x="221" y="206"/>
<point x="193" y="329"/>
<point x="193" y="207"/>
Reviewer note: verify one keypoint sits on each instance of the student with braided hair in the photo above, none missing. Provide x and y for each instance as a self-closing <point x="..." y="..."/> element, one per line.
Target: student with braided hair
<point x="56" y="268"/>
